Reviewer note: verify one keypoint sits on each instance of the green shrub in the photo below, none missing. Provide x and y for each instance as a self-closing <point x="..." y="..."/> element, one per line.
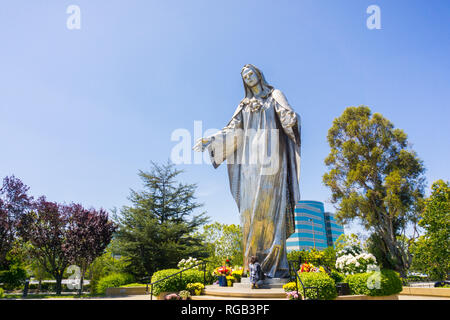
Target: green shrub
<point x="413" y="278"/>
<point x="337" y="276"/>
<point x="325" y="258"/>
<point x="326" y="285"/>
<point x="51" y="287"/>
<point x="389" y="283"/>
<point x="294" y="255"/>
<point x="2" y="293"/>
<point x="14" y="277"/>
<point x="113" y="280"/>
<point x="175" y="284"/>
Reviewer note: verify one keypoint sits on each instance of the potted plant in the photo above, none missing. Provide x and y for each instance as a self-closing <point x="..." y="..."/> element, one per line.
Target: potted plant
<point x="230" y="281"/>
<point x="195" y="289"/>
<point x="237" y="274"/>
<point x="222" y="273"/>
<point x="172" y="296"/>
<point x="185" y="295"/>
<point x="292" y="295"/>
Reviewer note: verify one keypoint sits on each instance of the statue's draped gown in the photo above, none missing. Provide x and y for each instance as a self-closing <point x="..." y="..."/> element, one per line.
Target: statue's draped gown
<point x="265" y="189"/>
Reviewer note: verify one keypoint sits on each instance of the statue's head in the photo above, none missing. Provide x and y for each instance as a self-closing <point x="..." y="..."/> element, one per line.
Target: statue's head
<point x="252" y="76"/>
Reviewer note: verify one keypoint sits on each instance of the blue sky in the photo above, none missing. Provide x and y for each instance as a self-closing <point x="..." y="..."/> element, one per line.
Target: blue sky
<point x="81" y="111"/>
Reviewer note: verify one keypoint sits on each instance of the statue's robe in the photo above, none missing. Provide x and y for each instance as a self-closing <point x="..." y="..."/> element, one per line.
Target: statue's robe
<point x="265" y="190"/>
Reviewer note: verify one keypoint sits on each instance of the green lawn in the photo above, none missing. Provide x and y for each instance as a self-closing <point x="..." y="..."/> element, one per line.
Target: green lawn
<point x="133" y="285"/>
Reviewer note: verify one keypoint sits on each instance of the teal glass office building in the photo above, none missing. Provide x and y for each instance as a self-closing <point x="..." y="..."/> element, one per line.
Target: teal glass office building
<point x="333" y="229"/>
<point x="313" y="227"/>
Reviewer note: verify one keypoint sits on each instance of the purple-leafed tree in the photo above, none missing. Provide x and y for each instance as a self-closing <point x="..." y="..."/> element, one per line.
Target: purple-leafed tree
<point x="45" y="227"/>
<point x="88" y="234"/>
<point x="14" y="203"/>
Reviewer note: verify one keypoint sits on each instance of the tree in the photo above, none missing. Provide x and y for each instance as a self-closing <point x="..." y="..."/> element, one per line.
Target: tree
<point x="45" y="227"/>
<point x="224" y="241"/>
<point x="376" y="178"/>
<point x="14" y="203"/>
<point x="16" y="274"/>
<point x="88" y="234"/>
<point x="109" y="262"/>
<point x="432" y="250"/>
<point x="157" y="230"/>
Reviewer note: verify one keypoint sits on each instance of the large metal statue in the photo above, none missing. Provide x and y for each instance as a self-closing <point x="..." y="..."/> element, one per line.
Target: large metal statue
<point x="261" y="144"/>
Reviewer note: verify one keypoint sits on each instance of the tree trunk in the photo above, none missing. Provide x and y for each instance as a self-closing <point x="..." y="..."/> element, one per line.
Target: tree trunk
<point x="58" y="284"/>
<point x="80" y="290"/>
<point x="393" y="253"/>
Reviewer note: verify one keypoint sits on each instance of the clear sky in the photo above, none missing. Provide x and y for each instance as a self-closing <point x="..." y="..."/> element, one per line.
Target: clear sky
<point x="81" y="111"/>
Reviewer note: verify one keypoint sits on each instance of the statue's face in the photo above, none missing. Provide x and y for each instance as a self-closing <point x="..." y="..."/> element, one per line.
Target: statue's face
<point x="250" y="77"/>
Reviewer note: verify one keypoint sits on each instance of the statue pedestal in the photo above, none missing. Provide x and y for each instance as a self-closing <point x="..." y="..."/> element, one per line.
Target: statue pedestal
<point x="268" y="283"/>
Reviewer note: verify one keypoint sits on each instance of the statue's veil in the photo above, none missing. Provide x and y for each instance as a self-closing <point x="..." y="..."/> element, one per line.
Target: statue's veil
<point x="267" y="88"/>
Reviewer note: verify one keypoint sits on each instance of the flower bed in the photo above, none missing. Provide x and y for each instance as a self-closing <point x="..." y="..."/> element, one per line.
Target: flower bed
<point x="353" y="264"/>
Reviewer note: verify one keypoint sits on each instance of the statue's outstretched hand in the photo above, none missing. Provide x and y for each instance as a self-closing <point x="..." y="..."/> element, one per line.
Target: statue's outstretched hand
<point x="201" y="144"/>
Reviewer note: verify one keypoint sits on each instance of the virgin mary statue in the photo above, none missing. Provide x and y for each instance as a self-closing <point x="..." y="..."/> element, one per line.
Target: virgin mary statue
<point x="261" y="145"/>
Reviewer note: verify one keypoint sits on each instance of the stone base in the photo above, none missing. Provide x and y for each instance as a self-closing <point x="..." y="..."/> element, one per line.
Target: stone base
<point x="111" y="292"/>
<point x="364" y="297"/>
<point x="215" y="292"/>
<point x="269" y="283"/>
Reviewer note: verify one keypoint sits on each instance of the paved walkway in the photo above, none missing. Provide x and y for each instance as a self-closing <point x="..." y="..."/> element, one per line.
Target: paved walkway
<point x="408" y="297"/>
<point x="146" y="297"/>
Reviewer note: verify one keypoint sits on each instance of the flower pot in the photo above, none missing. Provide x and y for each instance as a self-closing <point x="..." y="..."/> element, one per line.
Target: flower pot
<point x="222" y="281"/>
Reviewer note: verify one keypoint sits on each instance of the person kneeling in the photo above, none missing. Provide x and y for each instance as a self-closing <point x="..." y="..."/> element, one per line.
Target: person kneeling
<point x="256" y="274"/>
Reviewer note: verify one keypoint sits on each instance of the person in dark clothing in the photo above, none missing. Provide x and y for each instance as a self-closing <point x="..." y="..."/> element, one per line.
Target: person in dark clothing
<point x="256" y="274"/>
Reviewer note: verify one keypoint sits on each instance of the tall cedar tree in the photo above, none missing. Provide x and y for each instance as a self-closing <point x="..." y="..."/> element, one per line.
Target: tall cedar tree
<point x="158" y="229"/>
<point x="88" y="233"/>
<point x="14" y="203"/>
<point x="376" y="178"/>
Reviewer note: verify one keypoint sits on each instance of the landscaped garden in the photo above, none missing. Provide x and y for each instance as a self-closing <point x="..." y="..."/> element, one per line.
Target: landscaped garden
<point x="350" y="267"/>
<point x="47" y="242"/>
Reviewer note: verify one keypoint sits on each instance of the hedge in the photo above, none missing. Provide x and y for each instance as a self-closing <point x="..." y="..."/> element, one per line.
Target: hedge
<point x="113" y="280"/>
<point x="389" y="283"/>
<point x="175" y="284"/>
<point x="51" y="287"/>
<point x="326" y="285"/>
<point x="337" y="276"/>
<point x="13" y="278"/>
<point x="2" y="293"/>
